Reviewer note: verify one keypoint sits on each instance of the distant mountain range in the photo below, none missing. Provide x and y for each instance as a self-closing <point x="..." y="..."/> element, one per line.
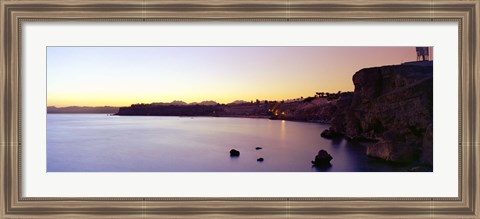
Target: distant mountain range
<point x="183" y="103"/>
<point x="238" y="102"/>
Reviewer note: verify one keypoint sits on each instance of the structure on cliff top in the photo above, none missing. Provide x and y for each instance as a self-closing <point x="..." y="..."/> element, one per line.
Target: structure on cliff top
<point x="422" y="54"/>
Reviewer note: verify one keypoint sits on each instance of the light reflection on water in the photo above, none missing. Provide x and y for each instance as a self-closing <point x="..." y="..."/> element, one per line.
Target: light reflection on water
<point x="101" y="143"/>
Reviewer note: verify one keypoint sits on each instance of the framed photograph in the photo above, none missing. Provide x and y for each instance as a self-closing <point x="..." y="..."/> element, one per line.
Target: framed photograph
<point x="239" y="109"/>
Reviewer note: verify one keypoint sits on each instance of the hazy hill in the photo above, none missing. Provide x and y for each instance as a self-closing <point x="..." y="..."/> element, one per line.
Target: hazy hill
<point x="238" y="102"/>
<point x="183" y="103"/>
<point x="208" y="103"/>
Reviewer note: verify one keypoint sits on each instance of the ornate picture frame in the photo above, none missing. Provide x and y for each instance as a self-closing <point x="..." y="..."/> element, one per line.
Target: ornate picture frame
<point x="13" y="13"/>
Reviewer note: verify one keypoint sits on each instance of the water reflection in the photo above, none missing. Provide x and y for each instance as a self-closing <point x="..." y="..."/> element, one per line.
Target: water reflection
<point x="283" y="129"/>
<point x="99" y="143"/>
<point x="337" y="141"/>
<point x="323" y="168"/>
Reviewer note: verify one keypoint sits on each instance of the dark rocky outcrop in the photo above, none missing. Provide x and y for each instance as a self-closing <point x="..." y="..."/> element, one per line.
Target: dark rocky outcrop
<point x="392" y="105"/>
<point x="234" y="153"/>
<point x="322" y="159"/>
<point x="260" y="159"/>
<point x="330" y="134"/>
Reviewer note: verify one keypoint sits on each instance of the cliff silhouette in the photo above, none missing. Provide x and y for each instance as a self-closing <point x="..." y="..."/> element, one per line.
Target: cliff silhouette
<point x="392" y="106"/>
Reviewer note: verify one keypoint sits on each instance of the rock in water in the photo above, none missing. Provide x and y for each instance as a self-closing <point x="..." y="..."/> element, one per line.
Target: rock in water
<point x="260" y="159"/>
<point x="258" y="148"/>
<point x="323" y="158"/>
<point x="234" y="153"/>
<point x="329" y="134"/>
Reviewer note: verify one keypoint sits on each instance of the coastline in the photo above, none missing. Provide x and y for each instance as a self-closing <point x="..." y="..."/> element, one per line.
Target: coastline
<point x="390" y="108"/>
<point x="246" y="117"/>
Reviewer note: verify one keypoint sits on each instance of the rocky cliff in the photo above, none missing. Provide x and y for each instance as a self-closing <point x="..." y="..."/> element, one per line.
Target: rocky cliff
<point x="391" y="106"/>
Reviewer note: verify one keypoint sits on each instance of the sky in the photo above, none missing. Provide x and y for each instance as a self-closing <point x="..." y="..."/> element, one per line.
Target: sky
<point x="121" y="76"/>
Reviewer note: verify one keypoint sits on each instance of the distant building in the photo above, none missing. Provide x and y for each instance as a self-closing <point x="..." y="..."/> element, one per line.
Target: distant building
<point x="422" y="54"/>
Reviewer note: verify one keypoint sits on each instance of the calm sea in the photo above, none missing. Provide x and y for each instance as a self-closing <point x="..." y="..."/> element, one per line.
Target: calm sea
<point x="102" y="143"/>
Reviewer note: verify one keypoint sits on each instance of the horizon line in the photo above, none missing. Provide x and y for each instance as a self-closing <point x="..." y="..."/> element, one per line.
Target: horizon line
<point x="194" y="102"/>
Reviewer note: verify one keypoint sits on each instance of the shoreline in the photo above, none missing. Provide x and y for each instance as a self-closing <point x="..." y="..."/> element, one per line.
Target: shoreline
<point x="245" y="117"/>
<point x="231" y="116"/>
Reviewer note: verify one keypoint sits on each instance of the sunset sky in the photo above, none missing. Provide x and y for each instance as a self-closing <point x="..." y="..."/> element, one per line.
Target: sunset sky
<point x="121" y="76"/>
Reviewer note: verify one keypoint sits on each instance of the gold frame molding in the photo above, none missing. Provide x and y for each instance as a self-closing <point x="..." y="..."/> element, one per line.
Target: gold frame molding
<point x="13" y="13"/>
